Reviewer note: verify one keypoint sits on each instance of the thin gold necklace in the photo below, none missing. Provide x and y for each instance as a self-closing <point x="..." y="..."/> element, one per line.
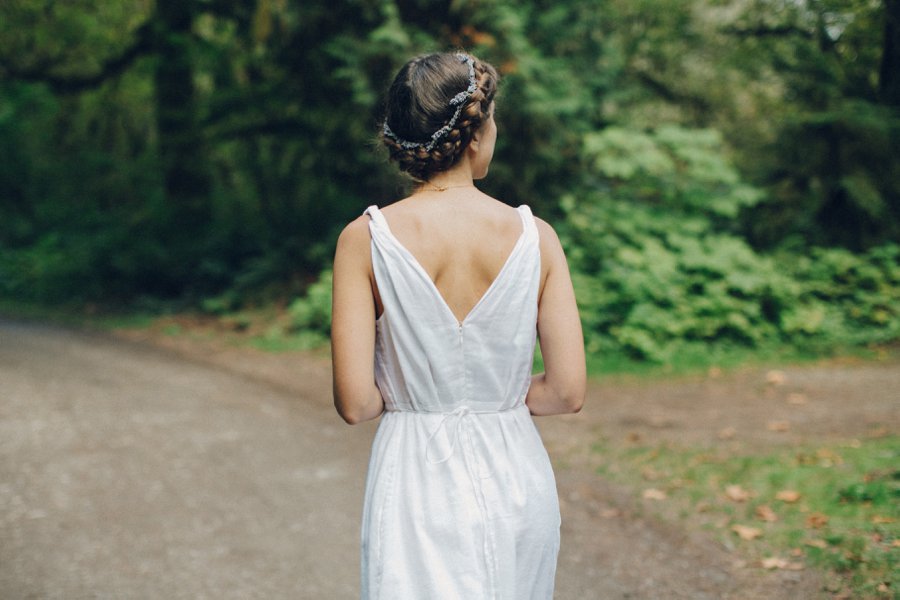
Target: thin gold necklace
<point x="444" y="188"/>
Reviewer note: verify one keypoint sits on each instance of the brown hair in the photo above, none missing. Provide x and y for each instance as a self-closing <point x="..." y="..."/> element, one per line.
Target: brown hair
<point x="418" y="105"/>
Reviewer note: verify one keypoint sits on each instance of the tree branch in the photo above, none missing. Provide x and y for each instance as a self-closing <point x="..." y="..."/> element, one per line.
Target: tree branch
<point x="225" y="9"/>
<point x="766" y="31"/>
<point x="277" y="127"/>
<point x="669" y="94"/>
<point x="73" y="84"/>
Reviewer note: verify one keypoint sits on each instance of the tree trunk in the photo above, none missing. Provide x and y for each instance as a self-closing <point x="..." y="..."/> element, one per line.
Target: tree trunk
<point x="182" y="150"/>
<point x="889" y="78"/>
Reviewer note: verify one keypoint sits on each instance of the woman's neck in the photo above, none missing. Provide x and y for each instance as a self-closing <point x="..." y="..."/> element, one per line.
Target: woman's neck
<point x="460" y="176"/>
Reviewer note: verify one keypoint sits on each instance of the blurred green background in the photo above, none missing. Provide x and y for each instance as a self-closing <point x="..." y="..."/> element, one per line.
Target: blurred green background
<point x="725" y="174"/>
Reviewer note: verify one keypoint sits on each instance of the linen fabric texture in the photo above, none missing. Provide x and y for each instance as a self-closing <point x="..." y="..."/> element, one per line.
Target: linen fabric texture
<point x="460" y="499"/>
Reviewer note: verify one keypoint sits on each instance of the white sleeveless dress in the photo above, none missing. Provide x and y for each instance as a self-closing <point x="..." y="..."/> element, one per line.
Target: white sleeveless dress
<point x="461" y="501"/>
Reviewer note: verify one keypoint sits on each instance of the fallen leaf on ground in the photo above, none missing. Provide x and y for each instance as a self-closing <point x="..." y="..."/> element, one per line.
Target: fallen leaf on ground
<point x="828" y="457"/>
<point x="727" y="433"/>
<point x="797" y="399"/>
<point x="746" y="533"/>
<point x="788" y="496"/>
<point x="821" y="544"/>
<point x="736" y="493"/>
<point x="879" y="520"/>
<point x="649" y="473"/>
<point x="816" y="520"/>
<point x="779" y="426"/>
<point x="654" y="494"/>
<point x="895" y="544"/>
<point x="765" y="513"/>
<point x="776" y="378"/>
<point x="776" y="562"/>
<point x="879" y="432"/>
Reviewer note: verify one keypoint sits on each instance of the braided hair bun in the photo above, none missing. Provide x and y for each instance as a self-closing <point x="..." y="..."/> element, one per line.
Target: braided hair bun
<point x="434" y="106"/>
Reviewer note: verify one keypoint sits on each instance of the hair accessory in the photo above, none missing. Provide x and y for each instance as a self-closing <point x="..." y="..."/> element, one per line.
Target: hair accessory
<point x="459" y="101"/>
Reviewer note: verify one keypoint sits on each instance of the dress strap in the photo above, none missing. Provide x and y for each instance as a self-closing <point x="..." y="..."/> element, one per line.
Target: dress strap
<point x="530" y="227"/>
<point x="376" y="216"/>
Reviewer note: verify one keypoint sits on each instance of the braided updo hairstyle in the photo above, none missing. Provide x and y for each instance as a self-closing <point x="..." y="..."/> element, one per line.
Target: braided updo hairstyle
<point x="418" y="105"/>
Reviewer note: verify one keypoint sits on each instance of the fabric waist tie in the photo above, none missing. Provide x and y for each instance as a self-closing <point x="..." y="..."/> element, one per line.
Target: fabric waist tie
<point x="461" y="414"/>
<point x="460" y="423"/>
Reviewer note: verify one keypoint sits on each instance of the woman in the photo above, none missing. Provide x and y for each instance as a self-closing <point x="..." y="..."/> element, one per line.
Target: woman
<point x="437" y="302"/>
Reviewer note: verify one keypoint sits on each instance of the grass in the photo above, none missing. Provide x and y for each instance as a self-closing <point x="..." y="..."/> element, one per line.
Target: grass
<point x="835" y="507"/>
<point x="277" y="341"/>
<point x="697" y="360"/>
<point x="77" y="315"/>
<point x="264" y="329"/>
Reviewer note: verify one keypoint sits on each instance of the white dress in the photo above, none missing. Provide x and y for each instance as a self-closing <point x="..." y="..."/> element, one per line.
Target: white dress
<point x="461" y="501"/>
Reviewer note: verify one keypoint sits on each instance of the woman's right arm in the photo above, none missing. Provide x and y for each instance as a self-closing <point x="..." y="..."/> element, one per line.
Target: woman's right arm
<point x="356" y="397"/>
<point x="561" y="387"/>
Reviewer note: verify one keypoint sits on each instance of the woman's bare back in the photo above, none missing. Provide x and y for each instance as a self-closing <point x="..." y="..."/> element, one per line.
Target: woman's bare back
<point x="461" y="238"/>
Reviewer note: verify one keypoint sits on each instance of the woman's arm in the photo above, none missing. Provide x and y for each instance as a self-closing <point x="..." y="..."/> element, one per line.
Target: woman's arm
<point x="356" y="397"/>
<point x="561" y="387"/>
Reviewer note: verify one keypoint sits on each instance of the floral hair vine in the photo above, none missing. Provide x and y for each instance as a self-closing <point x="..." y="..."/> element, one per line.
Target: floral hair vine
<point x="459" y="101"/>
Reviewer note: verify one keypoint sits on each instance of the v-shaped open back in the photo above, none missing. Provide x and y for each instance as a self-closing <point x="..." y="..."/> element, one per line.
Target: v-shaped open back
<point x="527" y="223"/>
<point x="428" y="358"/>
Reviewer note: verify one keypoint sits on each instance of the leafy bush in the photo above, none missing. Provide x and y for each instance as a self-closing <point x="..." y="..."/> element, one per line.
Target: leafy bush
<point x="648" y="282"/>
<point x="311" y="313"/>
<point x="657" y="268"/>
<point x="845" y="298"/>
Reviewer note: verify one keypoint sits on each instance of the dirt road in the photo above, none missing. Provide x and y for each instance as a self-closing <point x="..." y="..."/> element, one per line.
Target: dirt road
<point x="131" y="470"/>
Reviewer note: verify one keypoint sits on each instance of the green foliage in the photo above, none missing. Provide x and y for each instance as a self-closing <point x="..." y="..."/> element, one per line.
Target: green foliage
<point x="650" y="282"/>
<point x="651" y="271"/>
<point x="842" y="187"/>
<point x="657" y="271"/>
<point x="670" y="140"/>
<point x="89" y="206"/>
<point x="880" y="491"/>
<point x="831" y="163"/>
<point x="685" y="169"/>
<point x="311" y="313"/>
<point x="844" y="298"/>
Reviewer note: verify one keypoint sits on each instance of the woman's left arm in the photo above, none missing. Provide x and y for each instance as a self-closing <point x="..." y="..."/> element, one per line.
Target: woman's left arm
<point x="356" y="397"/>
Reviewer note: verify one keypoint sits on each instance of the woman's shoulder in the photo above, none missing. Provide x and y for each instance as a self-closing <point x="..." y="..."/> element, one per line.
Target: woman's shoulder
<point x="355" y="235"/>
<point x="546" y="231"/>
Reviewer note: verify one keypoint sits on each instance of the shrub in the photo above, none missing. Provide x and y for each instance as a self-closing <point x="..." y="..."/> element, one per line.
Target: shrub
<point x="658" y="267"/>
<point x="311" y="313"/>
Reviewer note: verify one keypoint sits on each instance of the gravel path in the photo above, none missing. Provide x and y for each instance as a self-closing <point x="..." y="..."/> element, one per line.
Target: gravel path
<point x="132" y="470"/>
<point x="128" y="472"/>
